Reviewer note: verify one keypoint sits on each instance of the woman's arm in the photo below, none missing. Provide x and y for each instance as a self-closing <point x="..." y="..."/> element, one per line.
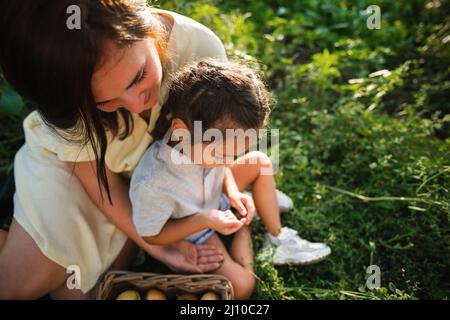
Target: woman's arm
<point x="120" y="212"/>
<point x="180" y="257"/>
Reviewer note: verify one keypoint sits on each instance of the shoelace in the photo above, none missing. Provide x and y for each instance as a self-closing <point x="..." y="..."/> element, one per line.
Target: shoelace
<point x="290" y="238"/>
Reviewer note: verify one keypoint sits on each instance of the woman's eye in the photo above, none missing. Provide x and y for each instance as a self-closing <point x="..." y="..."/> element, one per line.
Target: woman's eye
<point x="107" y="107"/>
<point x="101" y="106"/>
<point x="141" y="77"/>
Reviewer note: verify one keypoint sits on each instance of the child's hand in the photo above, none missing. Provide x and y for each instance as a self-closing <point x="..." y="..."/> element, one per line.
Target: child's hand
<point x="244" y="204"/>
<point x="224" y="222"/>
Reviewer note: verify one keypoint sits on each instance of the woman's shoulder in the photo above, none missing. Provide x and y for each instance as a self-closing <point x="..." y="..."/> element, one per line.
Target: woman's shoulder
<point x="193" y="40"/>
<point x="68" y="146"/>
<point x="188" y="24"/>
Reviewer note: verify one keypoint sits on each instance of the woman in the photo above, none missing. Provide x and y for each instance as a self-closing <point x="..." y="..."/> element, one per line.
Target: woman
<point x="97" y="91"/>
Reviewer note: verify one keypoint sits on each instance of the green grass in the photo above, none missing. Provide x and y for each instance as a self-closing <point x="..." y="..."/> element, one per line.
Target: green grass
<point x="366" y="161"/>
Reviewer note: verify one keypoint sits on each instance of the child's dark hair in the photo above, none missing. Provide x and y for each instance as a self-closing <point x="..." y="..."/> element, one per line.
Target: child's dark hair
<point x="223" y="95"/>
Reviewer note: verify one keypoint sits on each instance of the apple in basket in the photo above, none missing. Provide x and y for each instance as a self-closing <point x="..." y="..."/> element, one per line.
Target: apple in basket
<point x="206" y="296"/>
<point x="210" y="296"/>
<point x="155" y="294"/>
<point x="187" y="296"/>
<point x="129" y="295"/>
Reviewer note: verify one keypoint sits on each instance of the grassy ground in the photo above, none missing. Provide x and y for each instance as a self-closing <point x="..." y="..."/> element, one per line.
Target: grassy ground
<point x="364" y="156"/>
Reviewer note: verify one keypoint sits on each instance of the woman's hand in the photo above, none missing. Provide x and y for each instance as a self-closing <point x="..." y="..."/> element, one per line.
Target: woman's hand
<point x="186" y="257"/>
<point x="244" y="204"/>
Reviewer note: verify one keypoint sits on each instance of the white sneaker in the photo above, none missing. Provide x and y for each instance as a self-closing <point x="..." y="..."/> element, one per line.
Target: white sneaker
<point x="285" y="203"/>
<point x="289" y="248"/>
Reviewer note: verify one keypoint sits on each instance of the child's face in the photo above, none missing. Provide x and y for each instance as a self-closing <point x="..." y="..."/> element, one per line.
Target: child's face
<point x="225" y="152"/>
<point x="223" y="149"/>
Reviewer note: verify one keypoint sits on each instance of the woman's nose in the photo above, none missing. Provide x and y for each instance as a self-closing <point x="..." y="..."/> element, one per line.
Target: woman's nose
<point x="134" y="102"/>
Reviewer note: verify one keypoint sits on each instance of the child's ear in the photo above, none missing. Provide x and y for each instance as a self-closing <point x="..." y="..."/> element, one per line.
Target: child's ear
<point x="177" y="123"/>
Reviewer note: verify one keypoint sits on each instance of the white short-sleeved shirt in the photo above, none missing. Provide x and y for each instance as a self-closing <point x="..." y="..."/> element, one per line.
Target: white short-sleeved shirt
<point x="163" y="188"/>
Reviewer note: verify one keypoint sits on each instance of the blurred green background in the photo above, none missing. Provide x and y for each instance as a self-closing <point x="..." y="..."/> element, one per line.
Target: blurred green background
<point x="364" y="137"/>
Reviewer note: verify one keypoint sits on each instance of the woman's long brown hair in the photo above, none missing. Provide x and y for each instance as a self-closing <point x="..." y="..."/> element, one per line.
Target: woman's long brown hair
<point x="51" y="66"/>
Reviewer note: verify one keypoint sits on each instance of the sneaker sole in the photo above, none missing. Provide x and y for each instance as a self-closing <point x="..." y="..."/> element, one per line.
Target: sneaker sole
<point x="308" y="263"/>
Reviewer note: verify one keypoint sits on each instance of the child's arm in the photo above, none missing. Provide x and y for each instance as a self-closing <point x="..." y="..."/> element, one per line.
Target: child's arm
<point x="241" y="202"/>
<point x="178" y="229"/>
<point x="175" y="230"/>
<point x="229" y="183"/>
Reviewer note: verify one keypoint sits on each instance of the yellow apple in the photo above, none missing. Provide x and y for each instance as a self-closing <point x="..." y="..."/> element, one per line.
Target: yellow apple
<point x="210" y="295"/>
<point x="155" y="294"/>
<point x="129" y="295"/>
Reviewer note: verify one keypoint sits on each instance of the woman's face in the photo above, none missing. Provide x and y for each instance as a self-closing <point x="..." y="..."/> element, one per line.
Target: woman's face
<point x="128" y="78"/>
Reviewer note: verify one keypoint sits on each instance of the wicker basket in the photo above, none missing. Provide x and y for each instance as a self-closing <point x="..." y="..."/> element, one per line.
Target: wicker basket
<point x="115" y="282"/>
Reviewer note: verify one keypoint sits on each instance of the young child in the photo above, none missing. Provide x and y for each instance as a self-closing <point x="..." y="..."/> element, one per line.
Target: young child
<point x="177" y="194"/>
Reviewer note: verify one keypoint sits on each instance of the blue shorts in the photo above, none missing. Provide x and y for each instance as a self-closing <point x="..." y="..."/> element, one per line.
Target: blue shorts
<point x="207" y="233"/>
